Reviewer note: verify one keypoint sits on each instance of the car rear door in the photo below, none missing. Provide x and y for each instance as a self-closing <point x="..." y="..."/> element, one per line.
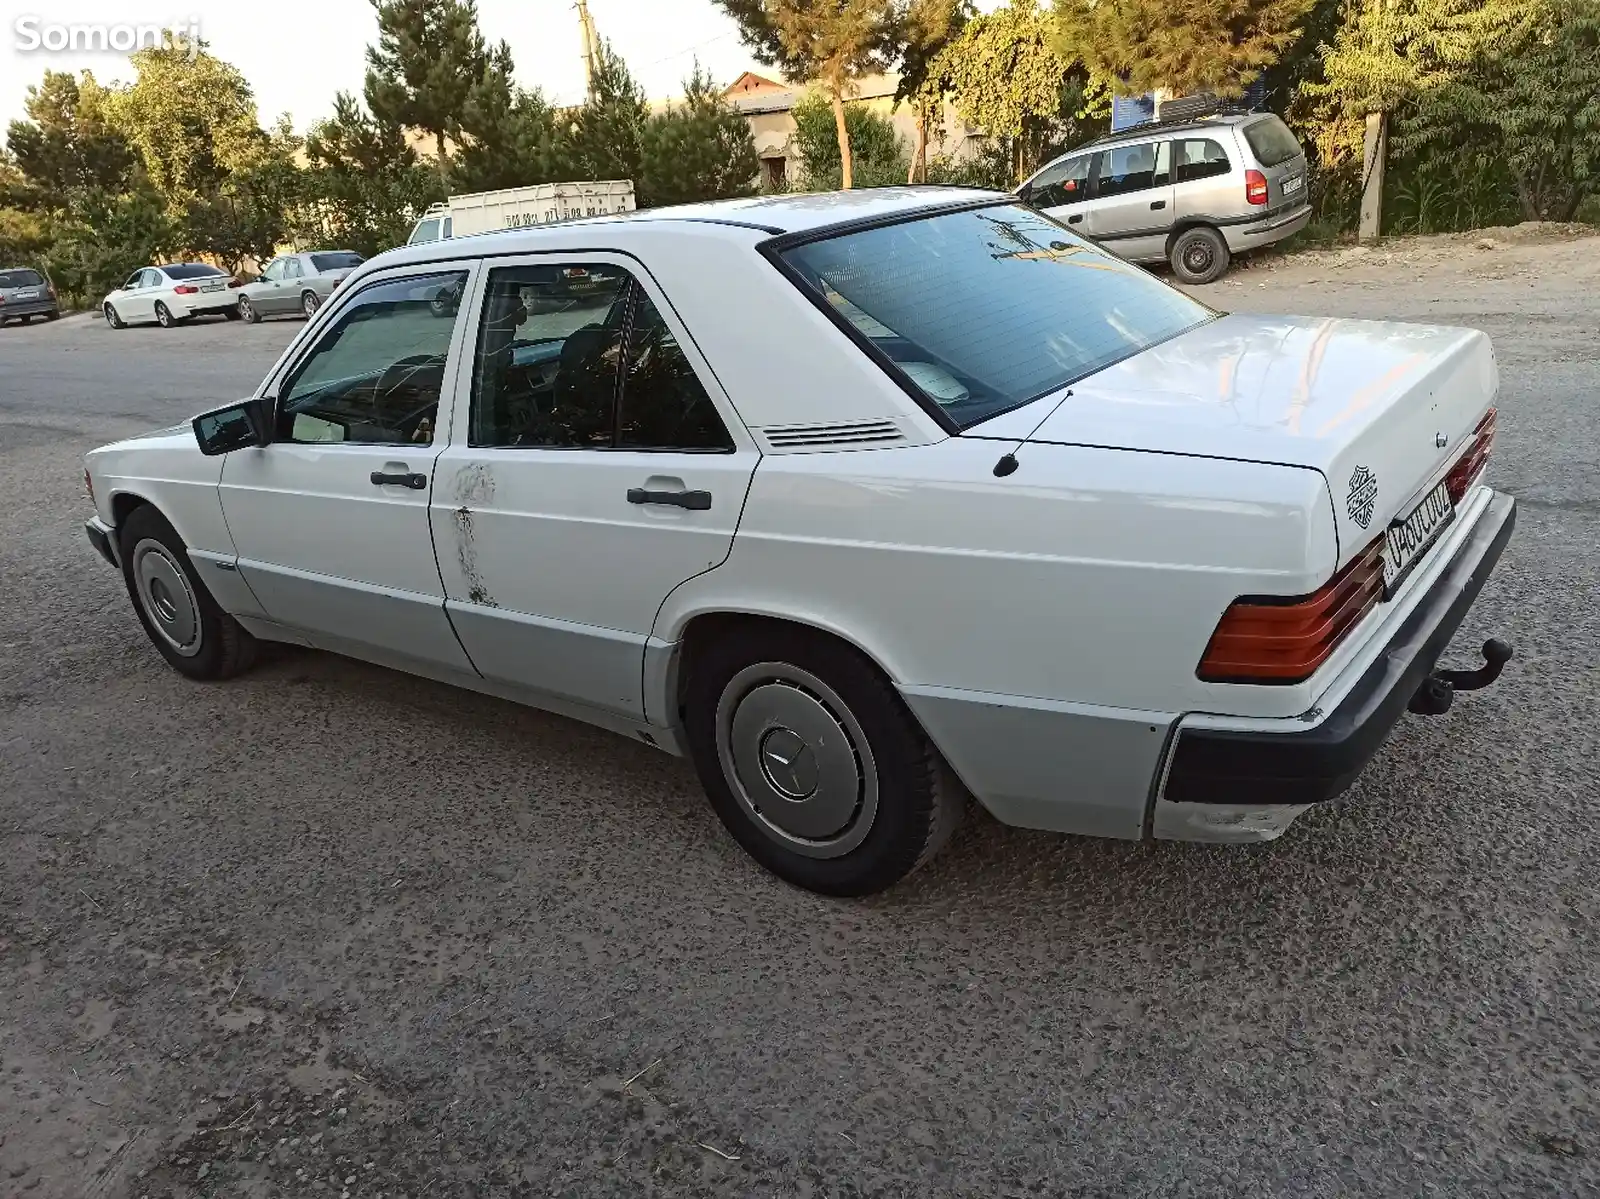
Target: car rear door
<point x="1208" y="185"/>
<point x="1130" y="210"/>
<point x="596" y="466"/>
<point x="330" y="520"/>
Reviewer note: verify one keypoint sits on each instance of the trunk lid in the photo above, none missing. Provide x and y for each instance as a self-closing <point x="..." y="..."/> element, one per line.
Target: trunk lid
<point x="1366" y="403"/>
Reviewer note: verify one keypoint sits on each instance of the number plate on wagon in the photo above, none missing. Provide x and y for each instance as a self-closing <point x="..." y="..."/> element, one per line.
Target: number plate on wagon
<point x="1408" y="538"/>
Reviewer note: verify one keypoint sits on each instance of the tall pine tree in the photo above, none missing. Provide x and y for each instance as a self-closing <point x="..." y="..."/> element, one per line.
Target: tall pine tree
<point x="428" y="57"/>
<point x="1182" y="46"/>
<point x="606" y="133"/>
<point x="832" y="43"/>
<point x="510" y="137"/>
<point x="697" y="150"/>
<point x="67" y="148"/>
<point x="369" y="182"/>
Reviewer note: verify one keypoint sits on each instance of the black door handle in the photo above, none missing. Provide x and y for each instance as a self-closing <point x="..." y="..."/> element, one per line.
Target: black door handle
<point x="1076" y="218"/>
<point x="1156" y="205"/>
<point x="696" y="501"/>
<point x="414" y="481"/>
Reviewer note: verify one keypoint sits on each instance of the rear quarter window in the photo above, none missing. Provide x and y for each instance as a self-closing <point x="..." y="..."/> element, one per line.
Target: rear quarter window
<point x="1271" y="141"/>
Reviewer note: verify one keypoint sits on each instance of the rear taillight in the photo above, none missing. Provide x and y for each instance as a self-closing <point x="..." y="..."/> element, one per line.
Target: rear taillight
<point x="1471" y="463"/>
<point x="1255" y="187"/>
<point x="1268" y="639"/>
<point x="186" y="289"/>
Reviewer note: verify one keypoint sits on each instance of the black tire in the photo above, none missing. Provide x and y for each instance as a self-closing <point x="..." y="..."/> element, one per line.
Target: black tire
<point x="53" y="315"/>
<point x="164" y="316"/>
<point x="1199" y="255"/>
<point x="309" y="303"/>
<point x="113" y="319"/>
<point x="248" y="311"/>
<point x="210" y="645"/>
<point x="27" y="320"/>
<point x="906" y="803"/>
<point x="231" y="314"/>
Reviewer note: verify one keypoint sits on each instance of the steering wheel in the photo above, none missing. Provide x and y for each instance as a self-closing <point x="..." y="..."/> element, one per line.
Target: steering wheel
<point x="397" y="374"/>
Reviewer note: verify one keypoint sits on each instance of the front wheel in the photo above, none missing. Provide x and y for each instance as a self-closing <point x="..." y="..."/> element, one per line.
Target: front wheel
<point x="194" y="635"/>
<point x="164" y="316"/>
<point x="813" y="762"/>
<point x="1199" y="255"/>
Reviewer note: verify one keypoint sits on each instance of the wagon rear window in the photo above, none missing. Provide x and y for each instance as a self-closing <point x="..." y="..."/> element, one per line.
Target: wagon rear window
<point x="1271" y="141"/>
<point x="21" y="279"/>
<point x="980" y="311"/>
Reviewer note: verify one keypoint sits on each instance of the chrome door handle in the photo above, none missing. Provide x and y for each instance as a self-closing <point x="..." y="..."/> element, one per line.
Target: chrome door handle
<point x="695" y="501"/>
<point x="409" y="479"/>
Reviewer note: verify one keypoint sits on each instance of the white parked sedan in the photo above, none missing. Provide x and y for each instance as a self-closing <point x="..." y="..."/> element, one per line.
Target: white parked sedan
<point x="172" y="294"/>
<point x="865" y="503"/>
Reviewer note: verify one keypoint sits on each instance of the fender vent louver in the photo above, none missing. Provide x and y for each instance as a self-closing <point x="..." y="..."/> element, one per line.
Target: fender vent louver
<point x="836" y="436"/>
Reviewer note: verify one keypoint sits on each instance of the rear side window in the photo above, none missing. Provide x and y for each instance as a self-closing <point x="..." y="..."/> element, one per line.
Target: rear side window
<point x="1271" y="141"/>
<point x="1201" y="158"/>
<point x="21" y="279"/>
<point x="980" y="311"/>
<point x="190" y="270"/>
<point x="336" y="262"/>
<point x="1127" y="169"/>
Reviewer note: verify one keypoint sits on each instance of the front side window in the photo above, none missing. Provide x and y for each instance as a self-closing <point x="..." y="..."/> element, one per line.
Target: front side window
<point x="135" y="281"/>
<point x="375" y="377"/>
<point x="1201" y="158"/>
<point x="274" y="271"/>
<point x="981" y="310"/>
<point x="1067" y="182"/>
<point x="1126" y="169"/>
<point x="576" y="356"/>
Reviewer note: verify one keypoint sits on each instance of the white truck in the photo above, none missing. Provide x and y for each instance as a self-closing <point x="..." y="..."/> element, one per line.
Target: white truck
<point x="521" y="208"/>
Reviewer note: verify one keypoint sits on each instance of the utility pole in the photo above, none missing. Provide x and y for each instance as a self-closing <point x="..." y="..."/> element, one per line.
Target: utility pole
<point x="591" y="46"/>
<point x="1374" y="149"/>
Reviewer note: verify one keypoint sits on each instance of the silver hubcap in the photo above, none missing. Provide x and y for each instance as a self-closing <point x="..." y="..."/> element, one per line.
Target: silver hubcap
<point x="163" y="316"/>
<point x="797" y="760"/>
<point x="166" y="597"/>
<point x="309" y="304"/>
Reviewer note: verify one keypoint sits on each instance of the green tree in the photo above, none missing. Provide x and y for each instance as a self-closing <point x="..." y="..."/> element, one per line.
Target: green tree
<point x="1514" y="82"/>
<point x="367" y="182"/>
<point x="67" y="147"/>
<point x="606" y="133"/>
<point x="107" y="238"/>
<point x="420" y="74"/>
<point x="832" y="43"/>
<point x="922" y="31"/>
<point x="1007" y="75"/>
<point x="191" y="120"/>
<point x="260" y="206"/>
<point x="700" y="149"/>
<point x="510" y="137"/>
<point x="879" y="153"/>
<point x="1183" y="46"/>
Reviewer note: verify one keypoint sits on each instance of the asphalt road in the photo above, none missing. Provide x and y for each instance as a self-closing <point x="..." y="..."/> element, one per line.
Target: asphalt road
<point x="328" y="930"/>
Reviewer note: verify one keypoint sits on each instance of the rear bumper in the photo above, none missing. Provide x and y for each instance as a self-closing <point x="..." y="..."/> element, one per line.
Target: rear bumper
<point x="1294" y="768"/>
<point x="208" y="305"/>
<point x="103" y="539"/>
<point x="14" y="308"/>
<point x="1267" y="230"/>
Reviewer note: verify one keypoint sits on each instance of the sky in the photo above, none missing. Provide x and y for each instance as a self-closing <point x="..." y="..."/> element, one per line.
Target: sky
<point x="298" y="53"/>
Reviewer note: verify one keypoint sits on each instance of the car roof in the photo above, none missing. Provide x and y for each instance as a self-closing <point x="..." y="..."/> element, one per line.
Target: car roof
<point x="1139" y="133"/>
<point x="767" y="215"/>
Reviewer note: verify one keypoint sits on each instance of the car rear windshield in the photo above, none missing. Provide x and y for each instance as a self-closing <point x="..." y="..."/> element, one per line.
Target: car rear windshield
<point x="21" y="279"/>
<point x="1271" y="141"/>
<point x="342" y="261"/>
<point x="981" y="310"/>
<point x="190" y="270"/>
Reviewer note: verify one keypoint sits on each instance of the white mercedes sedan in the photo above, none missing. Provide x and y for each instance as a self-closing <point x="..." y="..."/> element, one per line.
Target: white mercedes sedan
<point x="172" y="295"/>
<point x="867" y="503"/>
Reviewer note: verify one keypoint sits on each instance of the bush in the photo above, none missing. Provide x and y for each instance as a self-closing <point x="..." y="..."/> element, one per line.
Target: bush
<point x="878" y="156"/>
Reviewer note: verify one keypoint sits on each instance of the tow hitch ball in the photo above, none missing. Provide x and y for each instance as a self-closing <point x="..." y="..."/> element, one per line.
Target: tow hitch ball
<point x="1434" y="697"/>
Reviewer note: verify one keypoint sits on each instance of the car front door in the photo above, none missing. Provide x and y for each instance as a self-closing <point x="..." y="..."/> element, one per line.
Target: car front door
<point x="267" y="292"/>
<point x="597" y="467"/>
<point x="1062" y="190"/>
<point x="141" y="304"/>
<point x="330" y="520"/>
<point x="1131" y="210"/>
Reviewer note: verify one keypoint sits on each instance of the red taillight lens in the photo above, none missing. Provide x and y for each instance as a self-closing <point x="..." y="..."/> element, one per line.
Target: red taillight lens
<point x="1470" y="465"/>
<point x="186" y="289"/>
<point x="1267" y="639"/>
<point x="1255" y="187"/>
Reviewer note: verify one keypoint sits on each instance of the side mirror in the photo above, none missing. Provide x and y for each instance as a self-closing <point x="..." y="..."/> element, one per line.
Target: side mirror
<point x="236" y="427"/>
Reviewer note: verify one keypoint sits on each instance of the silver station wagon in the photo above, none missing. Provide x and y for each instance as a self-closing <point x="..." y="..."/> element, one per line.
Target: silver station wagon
<point x="1192" y="194"/>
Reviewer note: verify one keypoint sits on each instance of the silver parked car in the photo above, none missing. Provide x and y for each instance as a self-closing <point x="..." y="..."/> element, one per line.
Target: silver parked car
<point x="26" y="293"/>
<point x="296" y="283"/>
<point x="1192" y="194"/>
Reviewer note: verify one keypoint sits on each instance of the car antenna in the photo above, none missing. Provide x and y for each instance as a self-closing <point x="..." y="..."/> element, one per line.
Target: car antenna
<point x="1008" y="462"/>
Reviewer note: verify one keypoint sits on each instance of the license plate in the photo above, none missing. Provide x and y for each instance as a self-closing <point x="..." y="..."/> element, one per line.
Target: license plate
<point x="211" y="287"/>
<point x="27" y="295"/>
<point x="1293" y="184"/>
<point x="1408" y="539"/>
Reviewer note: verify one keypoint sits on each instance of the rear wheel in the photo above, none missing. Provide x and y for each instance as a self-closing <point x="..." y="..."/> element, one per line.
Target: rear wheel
<point x="112" y="319"/>
<point x="164" y="316"/>
<point x="194" y="635"/>
<point x="1199" y="255"/>
<point x="309" y="303"/>
<point x="53" y="315"/>
<point x="248" y="311"/>
<point x="814" y="763"/>
<point x="28" y="320"/>
<point x="231" y="313"/>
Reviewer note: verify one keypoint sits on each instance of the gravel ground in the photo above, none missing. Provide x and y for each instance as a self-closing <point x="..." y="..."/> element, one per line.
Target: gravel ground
<point x="328" y="930"/>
